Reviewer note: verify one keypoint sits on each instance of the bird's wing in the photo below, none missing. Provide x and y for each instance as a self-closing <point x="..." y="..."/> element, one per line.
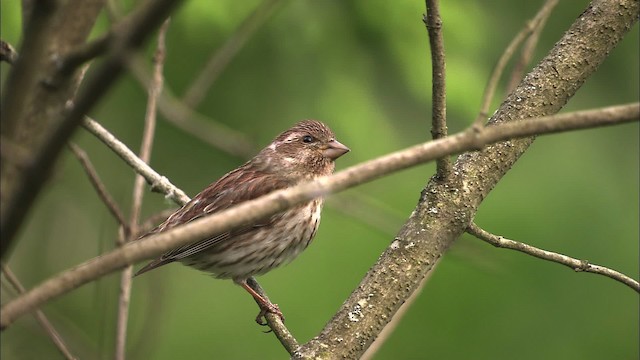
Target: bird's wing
<point x="236" y="187"/>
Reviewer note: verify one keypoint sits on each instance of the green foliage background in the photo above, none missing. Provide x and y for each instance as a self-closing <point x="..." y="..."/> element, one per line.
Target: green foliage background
<point x="364" y="68"/>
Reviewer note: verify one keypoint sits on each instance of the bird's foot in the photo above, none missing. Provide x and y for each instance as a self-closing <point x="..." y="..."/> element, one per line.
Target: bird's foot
<point x="265" y="308"/>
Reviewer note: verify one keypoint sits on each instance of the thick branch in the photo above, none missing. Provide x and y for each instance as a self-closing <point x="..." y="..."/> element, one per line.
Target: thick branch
<point x="575" y="264"/>
<point x="30" y="109"/>
<point x="277" y="201"/>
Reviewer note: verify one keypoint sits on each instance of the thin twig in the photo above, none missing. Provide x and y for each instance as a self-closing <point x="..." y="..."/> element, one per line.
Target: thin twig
<point x="221" y="58"/>
<point x="182" y="116"/>
<point x="208" y="130"/>
<point x="275" y="323"/>
<point x="492" y="84"/>
<point x="278" y="201"/>
<point x="157" y="182"/>
<point x="433" y="22"/>
<point x="527" y="50"/>
<point x="97" y="183"/>
<point x="51" y="331"/>
<point x="155" y="88"/>
<point x="575" y="264"/>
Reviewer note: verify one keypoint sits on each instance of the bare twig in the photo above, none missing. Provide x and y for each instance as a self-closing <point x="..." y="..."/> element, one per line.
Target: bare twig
<point x="221" y="58"/>
<point x="155" y="88"/>
<point x="275" y="323"/>
<point x="277" y="201"/>
<point x="537" y="22"/>
<point x="185" y="117"/>
<point x="575" y="264"/>
<point x="97" y="183"/>
<point x="188" y="120"/>
<point x="433" y="21"/>
<point x="527" y="51"/>
<point x="51" y="331"/>
<point x="158" y="183"/>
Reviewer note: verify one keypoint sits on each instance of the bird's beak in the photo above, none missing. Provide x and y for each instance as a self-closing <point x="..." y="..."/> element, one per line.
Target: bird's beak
<point x="335" y="149"/>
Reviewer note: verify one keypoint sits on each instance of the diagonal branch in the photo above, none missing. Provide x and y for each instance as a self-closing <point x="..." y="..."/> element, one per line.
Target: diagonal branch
<point x="40" y="316"/>
<point x="575" y="264"/>
<point x="275" y="322"/>
<point x="537" y="24"/>
<point x="158" y="182"/>
<point x="97" y="183"/>
<point x="280" y="200"/>
<point x="533" y="27"/>
<point x="221" y="58"/>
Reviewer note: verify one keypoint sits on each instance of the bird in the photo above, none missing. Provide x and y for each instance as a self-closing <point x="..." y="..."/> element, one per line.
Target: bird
<point x="302" y="153"/>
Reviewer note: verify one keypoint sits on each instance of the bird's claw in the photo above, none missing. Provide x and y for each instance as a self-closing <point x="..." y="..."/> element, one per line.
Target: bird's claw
<point x="261" y="319"/>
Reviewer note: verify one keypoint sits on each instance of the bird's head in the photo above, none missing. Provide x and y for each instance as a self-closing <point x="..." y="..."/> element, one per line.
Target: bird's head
<point x="307" y="150"/>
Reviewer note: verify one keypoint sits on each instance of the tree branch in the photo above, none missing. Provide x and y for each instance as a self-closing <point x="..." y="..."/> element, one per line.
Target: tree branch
<point x="533" y="26"/>
<point x="30" y="108"/>
<point x="536" y="25"/>
<point x="275" y="322"/>
<point x="157" y="182"/>
<point x="98" y="185"/>
<point x="438" y="87"/>
<point x="22" y="195"/>
<point x="190" y="121"/>
<point x="575" y="264"/>
<point x="154" y="90"/>
<point x="51" y="331"/>
<point x="278" y="201"/>
<point x="222" y="56"/>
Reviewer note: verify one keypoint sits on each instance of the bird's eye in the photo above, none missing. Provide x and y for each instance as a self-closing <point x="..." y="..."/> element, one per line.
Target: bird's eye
<point x="307" y="139"/>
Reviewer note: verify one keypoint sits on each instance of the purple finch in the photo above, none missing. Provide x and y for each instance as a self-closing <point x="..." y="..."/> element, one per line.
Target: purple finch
<point x="302" y="153"/>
